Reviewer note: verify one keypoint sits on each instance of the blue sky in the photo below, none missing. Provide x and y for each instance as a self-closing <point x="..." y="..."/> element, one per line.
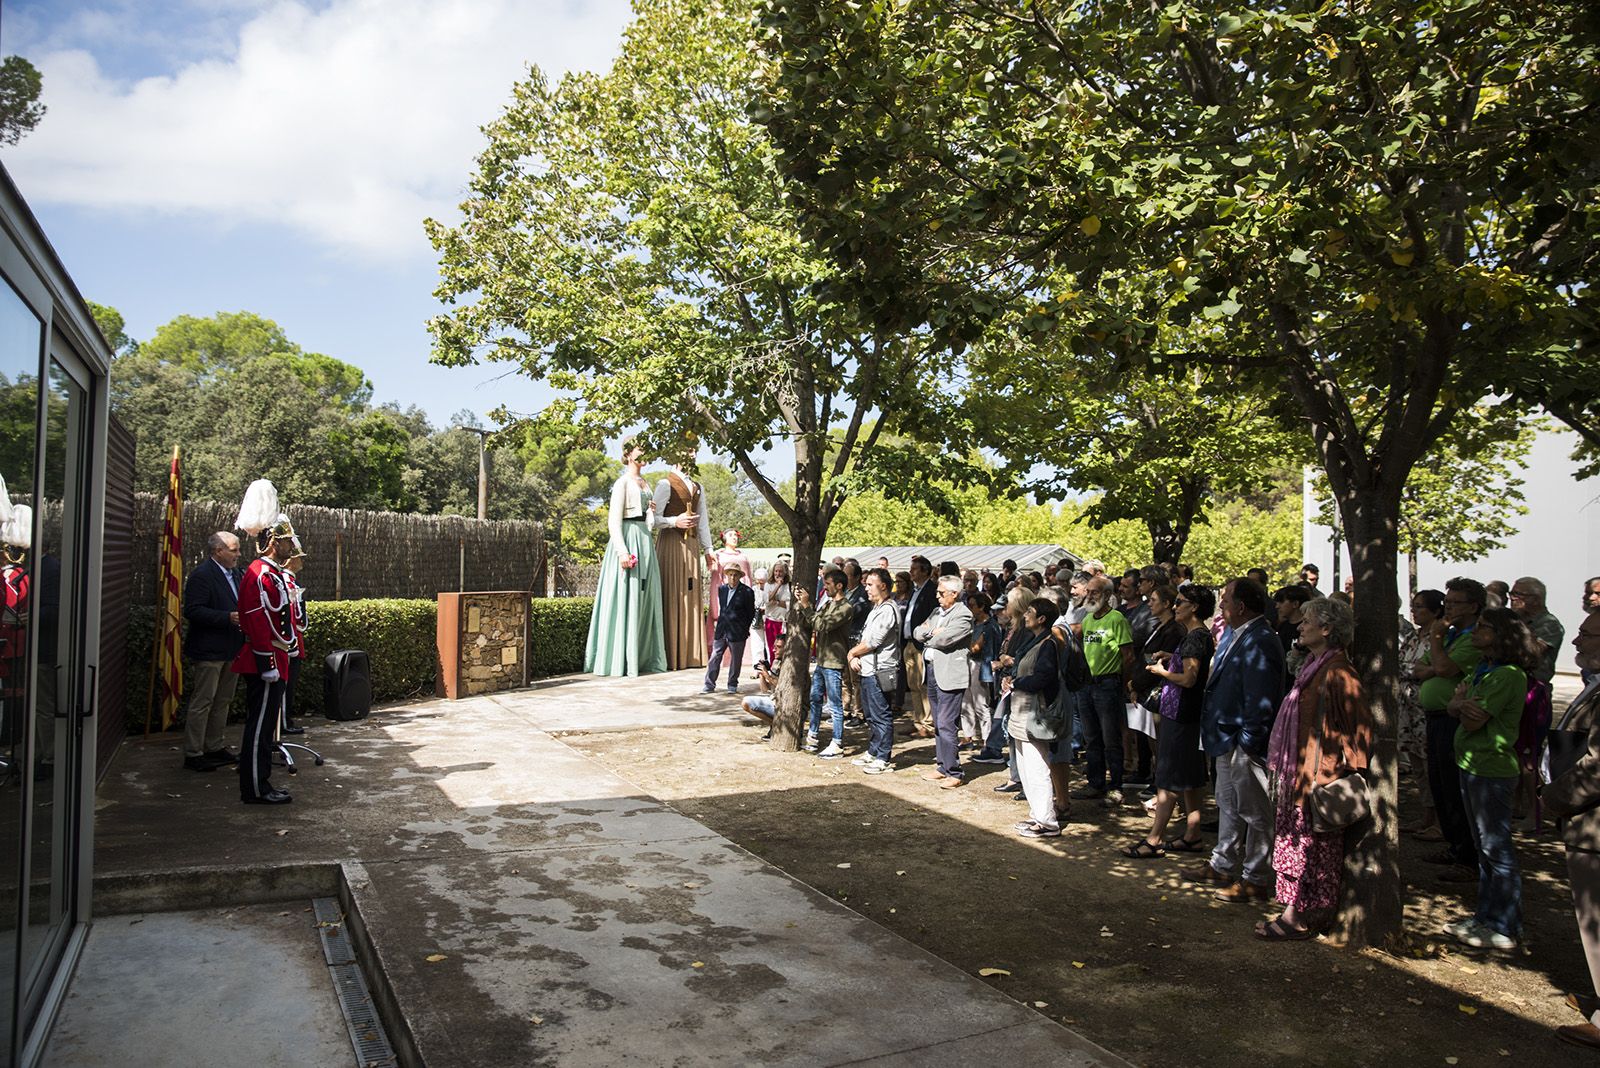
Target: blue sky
<point x="279" y="157"/>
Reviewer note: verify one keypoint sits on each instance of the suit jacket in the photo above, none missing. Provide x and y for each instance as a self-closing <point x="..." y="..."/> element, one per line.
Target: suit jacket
<point x="208" y="597"/>
<point x="737" y="610"/>
<point x="1573" y="797"/>
<point x="1243" y="691"/>
<point x="923" y="602"/>
<point x="946" y="636"/>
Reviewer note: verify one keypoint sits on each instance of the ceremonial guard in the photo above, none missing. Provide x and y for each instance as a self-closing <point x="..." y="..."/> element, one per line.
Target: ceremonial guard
<point x="266" y="615"/>
<point x="297" y="656"/>
<point x="16" y="532"/>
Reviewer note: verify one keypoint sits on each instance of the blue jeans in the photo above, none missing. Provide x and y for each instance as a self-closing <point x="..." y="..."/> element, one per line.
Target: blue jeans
<point x="1104" y="716"/>
<point x="1488" y="803"/>
<point x="826" y="683"/>
<point x="1077" y="705"/>
<point x="880" y="724"/>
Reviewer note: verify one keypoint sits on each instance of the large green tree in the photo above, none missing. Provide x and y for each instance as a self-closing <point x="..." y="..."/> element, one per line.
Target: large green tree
<point x="1389" y="206"/>
<point x="628" y="240"/>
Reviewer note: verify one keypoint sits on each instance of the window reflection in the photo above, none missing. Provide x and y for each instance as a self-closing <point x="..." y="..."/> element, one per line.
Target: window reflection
<point x="21" y="338"/>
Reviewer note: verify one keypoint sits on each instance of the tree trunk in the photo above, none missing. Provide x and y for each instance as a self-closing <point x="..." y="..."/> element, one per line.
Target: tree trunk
<point x="792" y="699"/>
<point x="1371" y="909"/>
<point x="1167" y="541"/>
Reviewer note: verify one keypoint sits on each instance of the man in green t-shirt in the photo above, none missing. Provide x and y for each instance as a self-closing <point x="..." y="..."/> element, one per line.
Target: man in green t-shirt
<point x="1451" y="659"/>
<point x="1102" y="707"/>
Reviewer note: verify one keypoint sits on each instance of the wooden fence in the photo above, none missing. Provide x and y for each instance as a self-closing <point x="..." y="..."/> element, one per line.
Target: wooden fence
<point x="353" y="554"/>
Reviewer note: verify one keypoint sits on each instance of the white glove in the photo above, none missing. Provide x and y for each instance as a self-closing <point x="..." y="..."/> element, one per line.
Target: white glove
<point x="270" y="676"/>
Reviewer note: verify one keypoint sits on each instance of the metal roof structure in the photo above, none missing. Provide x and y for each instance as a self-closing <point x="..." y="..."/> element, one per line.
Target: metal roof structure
<point x="976" y="557"/>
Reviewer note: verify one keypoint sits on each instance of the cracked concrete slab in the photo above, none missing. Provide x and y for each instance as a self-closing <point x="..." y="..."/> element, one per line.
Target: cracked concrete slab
<point x="579" y="921"/>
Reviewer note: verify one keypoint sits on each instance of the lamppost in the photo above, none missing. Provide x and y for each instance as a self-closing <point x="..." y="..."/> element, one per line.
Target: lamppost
<point x="483" y="471"/>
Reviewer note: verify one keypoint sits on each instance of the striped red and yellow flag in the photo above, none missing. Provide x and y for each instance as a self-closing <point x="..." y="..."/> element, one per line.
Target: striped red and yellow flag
<point x="169" y="638"/>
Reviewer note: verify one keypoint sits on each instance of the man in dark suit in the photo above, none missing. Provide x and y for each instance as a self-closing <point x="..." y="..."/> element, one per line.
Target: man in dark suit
<point x="737" y="610"/>
<point x="923" y="602"/>
<point x="1242" y="696"/>
<point x="211" y="605"/>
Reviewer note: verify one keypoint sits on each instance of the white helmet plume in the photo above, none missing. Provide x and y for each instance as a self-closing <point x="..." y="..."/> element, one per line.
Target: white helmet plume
<point x="260" y="508"/>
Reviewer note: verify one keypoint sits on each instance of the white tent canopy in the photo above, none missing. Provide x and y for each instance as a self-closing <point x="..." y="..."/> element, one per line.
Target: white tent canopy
<point x="975" y="557"/>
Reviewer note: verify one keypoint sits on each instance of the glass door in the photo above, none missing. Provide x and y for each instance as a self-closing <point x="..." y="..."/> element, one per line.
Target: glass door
<point x="21" y="344"/>
<point x="62" y="691"/>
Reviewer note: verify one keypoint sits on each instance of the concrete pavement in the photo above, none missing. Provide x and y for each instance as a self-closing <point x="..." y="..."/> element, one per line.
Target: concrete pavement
<point x="572" y="919"/>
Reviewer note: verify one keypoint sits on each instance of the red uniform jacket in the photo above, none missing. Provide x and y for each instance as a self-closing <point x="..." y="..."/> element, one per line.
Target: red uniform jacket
<point x="14" y="606"/>
<point x="267" y="619"/>
<point x="297" y="612"/>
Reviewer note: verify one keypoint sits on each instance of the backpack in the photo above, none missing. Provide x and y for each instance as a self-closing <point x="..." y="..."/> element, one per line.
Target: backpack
<point x="1074" y="665"/>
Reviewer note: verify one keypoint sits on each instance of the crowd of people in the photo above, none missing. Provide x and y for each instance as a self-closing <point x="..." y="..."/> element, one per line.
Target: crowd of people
<point x="1162" y="690"/>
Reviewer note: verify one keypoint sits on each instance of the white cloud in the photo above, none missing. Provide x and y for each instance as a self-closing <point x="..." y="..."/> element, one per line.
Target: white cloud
<point x="347" y="123"/>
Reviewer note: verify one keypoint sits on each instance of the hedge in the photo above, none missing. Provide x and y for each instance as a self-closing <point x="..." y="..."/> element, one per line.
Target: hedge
<point x="558" y="632"/>
<point x="398" y="637"/>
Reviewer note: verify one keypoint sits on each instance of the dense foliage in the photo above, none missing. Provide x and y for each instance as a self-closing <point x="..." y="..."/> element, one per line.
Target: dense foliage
<point x="558" y="629"/>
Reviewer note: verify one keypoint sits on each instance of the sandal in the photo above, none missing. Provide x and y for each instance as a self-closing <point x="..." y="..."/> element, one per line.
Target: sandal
<point x="1184" y="845"/>
<point x="1143" y="850"/>
<point x="1278" y="931"/>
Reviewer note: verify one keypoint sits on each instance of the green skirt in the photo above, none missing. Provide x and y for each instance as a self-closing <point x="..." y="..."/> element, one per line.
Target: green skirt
<point x="626" y="630"/>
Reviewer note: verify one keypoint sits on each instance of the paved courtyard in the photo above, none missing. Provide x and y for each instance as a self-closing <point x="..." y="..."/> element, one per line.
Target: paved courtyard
<point x="530" y="906"/>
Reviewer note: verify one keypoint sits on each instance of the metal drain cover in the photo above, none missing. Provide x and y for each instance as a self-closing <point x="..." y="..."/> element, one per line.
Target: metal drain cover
<point x="367" y="1036"/>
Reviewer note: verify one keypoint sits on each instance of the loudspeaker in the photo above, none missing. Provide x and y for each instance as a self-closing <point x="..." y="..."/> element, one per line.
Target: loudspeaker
<point x="346" y="685"/>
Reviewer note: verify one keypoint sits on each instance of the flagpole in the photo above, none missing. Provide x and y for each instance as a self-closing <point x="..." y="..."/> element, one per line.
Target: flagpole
<point x="158" y="645"/>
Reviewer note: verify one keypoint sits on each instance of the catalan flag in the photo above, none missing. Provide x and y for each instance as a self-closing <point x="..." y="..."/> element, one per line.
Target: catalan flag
<point x="168" y="666"/>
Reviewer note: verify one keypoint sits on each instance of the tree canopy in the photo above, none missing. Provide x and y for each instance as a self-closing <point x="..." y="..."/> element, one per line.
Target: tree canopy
<point x="1389" y="207"/>
<point x="20" y="109"/>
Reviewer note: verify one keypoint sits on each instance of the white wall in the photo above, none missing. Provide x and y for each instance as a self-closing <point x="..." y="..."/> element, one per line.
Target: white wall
<point x="1557" y="541"/>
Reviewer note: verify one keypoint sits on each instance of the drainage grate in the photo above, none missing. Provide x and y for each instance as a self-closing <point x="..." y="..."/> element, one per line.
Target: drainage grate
<point x="336" y="947"/>
<point x="367" y="1035"/>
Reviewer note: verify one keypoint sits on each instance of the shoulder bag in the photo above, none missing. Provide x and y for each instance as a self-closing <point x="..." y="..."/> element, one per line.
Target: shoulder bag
<point x="1344" y="802"/>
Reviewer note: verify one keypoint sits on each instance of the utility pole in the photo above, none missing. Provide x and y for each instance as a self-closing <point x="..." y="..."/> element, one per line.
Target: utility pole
<point x="483" y="471"/>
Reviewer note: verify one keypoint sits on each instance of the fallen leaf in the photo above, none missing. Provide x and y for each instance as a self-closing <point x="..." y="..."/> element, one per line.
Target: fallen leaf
<point x="791" y="924"/>
<point x="899" y="873"/>
<point x="893" y="910"/>
<point x="846" y="864"/>
<point x="281" y="833"/>
<point x="1451" y="1060"/>
<point x="698" y="964"/>
<point x="1077" y="964"/>
<point x="1467" y="971"/>
<point x="1041" y="1004"/>
<point x="1470" y="1010"/>
<point x="536" y="1020"/>
<point x="434" y="958"/>
<point x="174" y="795"/>
<point x="691" y="886"/>
<point x="1503" y="1052"/>
<point x="1013" y="878"/>
<point x="1415" y="1001"/>
<point x="993" y="971"/>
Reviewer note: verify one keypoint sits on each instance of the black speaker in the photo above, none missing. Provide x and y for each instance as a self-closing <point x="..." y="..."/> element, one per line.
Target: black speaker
<point x="346" y="685"/>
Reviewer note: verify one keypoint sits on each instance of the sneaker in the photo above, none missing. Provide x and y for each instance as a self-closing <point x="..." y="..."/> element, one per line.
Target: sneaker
<point x="1482" y="936"/>
<point x="1008" y="788"/>
<point x="1022" y="825"/>
<point x="1088" y="793"/>
<point x="833" y="752"/>
<point x="1113" y="798"/>
<point x="1457" y="928"/>
<point x="864" y="758"/>
<point x="1036" y="831"/>
<point x="709" y="689"/>
<point x="811" y="744"/>
<point x="854" y="721"/>
<point x="983" y="758"/>
<point x="878" y="767"/>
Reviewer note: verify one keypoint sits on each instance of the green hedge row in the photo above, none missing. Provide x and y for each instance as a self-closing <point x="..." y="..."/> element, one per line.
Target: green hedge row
<point x="399" y="639"/>
<point x="558" y="631"/>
